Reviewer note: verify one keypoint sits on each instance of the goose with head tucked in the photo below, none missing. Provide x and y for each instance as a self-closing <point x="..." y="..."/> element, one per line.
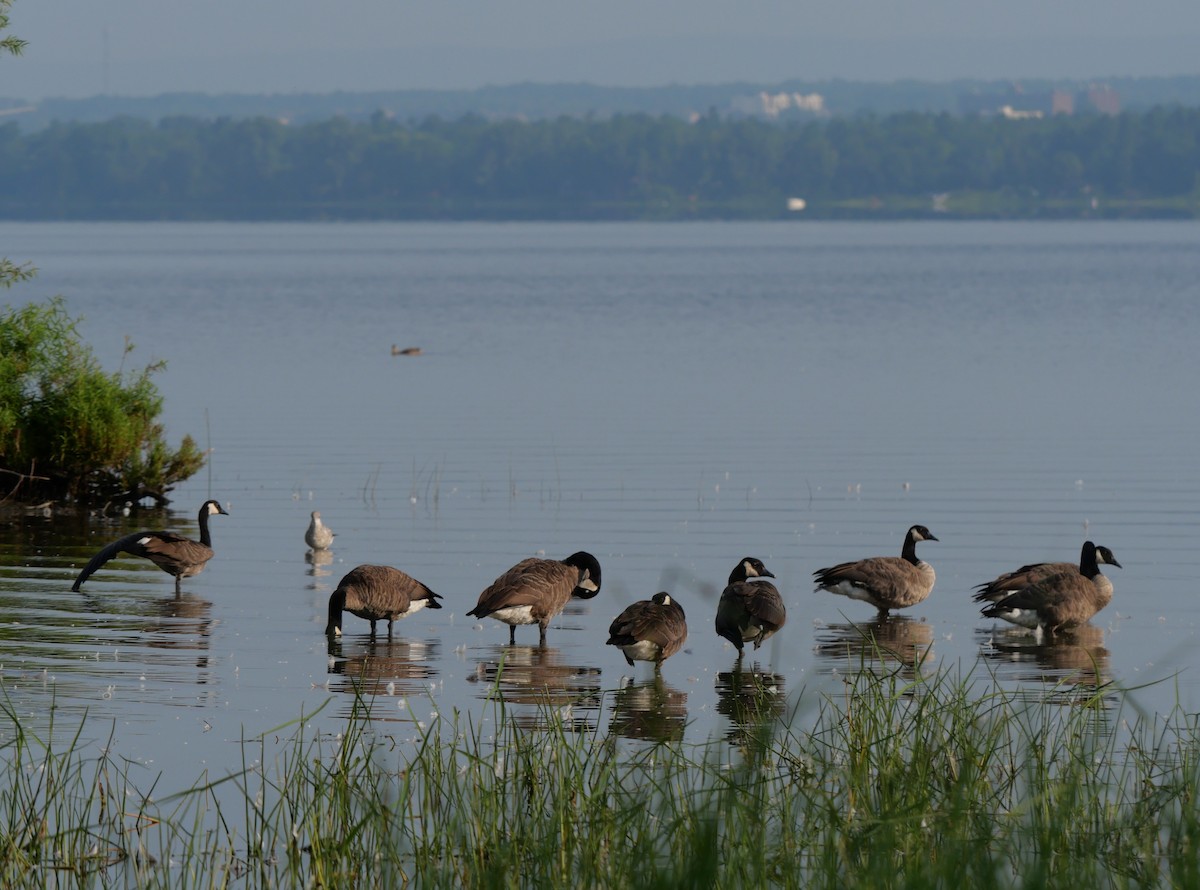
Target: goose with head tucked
<point x="750" y="609"/>
<point x="886" y="582"/>
<point x="535" y="590"/>
<point x="1059" y="601"/>
<point x="649" y="630"/>
<point x="176" y="555"/>
<point x="377" y="593"/>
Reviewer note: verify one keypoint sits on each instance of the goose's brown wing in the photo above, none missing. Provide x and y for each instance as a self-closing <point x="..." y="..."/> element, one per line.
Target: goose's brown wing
<point x="663" y="625"/>
<point x="383" y="590"/>
<point x="1003" y="585"/>
<point x="763" y="603"/>
<point x="158" y="547"/>
<point x="1052" y="593"/>
<point x="531" y="582"/>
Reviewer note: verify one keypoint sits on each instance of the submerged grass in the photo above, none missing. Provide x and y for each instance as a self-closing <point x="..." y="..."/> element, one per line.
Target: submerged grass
<point x="892" y="782"/>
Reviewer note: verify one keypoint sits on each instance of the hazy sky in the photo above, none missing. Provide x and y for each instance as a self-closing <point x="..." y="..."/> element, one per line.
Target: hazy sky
<point x="145" y="47"/>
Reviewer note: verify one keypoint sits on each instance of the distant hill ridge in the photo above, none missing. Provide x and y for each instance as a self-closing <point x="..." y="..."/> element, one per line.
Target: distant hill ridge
<point x="536" y="101"/>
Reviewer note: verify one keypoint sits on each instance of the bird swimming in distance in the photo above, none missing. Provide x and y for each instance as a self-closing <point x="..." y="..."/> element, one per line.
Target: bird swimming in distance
<point x="1059" y="601"/>
<point x="318" y="536"/>
<point x="174" y="554"/>
<point x="749" y="610"/>
<point x="535" y="590"/>
<point x="649" y="630"/>
<point x="1010" y="582"/>
<point x="375" y="593"/>
<point x="886" y="582"/>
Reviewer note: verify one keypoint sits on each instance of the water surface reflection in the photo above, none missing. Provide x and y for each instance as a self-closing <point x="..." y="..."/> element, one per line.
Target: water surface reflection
<point x="650" y="711"/>
<point x="540" y="683"/>
<point x="748" y="698"/>
<point x="1075" y="659"/>
<point x="893" y="641"/>
<point x="318" y="560"/>
<point x="380" y="670"/>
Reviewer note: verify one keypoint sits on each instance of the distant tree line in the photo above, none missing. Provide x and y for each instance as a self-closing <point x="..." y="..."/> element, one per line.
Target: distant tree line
<point x="627" y="165"/>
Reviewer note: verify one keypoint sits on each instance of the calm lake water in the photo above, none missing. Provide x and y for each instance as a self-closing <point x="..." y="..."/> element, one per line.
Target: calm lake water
<point x="670" y="397"/>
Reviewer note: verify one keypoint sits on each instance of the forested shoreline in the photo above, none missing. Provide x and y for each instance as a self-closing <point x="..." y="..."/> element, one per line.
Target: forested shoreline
<point x="632" y="166"/>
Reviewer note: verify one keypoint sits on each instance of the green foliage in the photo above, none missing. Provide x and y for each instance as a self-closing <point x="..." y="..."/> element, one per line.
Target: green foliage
<point x="8" y="44"/>
<point x="11" y="273"/>
<point x="73" y="429"/>
<point x="627" y="165"/>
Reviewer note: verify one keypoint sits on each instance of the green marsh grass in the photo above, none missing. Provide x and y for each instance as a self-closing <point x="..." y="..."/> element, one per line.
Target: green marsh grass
<point x="938" y="780"/>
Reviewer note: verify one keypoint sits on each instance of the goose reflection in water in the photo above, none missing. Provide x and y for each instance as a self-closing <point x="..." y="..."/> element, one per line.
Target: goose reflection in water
<point x="542" y="683"/>
<point x="750" y="699"/>
<point x="897" y="640"/>
<point x="183" y="624"/>
<point x="649" y="711"/>
<point x="382" y="667"/>
<point x="1077" y="658"/>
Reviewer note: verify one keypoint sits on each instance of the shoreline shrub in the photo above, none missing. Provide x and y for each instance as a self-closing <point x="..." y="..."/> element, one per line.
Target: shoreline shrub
<point x="69" y="430"/>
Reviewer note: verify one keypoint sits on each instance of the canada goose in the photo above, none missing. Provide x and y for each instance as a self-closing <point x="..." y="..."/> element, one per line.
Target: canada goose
<point x="174" y="554"/>
<point x="407" y="350"/>
<point x="886" y="582"/>
<point x="649" y="630"/>
<point x="1059" y="601"/>
<point x="535" y="590"/>
<point x="319" y="536"/>
<point x="1011" y="582"/>
<point x="749" y="611"/>
<point x="375" y="593"/>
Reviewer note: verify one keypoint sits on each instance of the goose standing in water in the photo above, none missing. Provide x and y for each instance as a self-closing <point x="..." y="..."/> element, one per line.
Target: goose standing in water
<point x="535" y="590"/>
<point x="174" y="554"/>
<point x="649" y="630"/>
<point x="1059" y="601"/>
<point x="376" y="593"/>
<point x="1011" y="582"/>
<point x="886" y="582"/>
<point x="319" y="536"/>
<point x="749" y="611"/>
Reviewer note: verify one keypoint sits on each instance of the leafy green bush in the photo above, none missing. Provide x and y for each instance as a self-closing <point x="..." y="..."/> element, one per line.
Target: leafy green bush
<point x="68" y="429"/>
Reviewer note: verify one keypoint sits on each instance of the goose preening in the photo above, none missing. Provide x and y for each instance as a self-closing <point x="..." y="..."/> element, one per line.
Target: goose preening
<point x="318" y="536"/>
<point x="1010" y="582"/>
<point x="649" y="630"/>
<point x="174" y="554"/>
<point x="886" y="582"/>
<point x="376" y="593"/>
<point x="749" y="611"/>
<point x="535" y="590"/>
<point x="1059" y="601"/>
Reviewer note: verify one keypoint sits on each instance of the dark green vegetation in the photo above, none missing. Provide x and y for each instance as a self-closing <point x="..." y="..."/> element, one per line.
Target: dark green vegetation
<point x="540" y="101"/>
<point x="70" y="429"/>
<point x="628" y="166"/>
<point x="894" y="783"/>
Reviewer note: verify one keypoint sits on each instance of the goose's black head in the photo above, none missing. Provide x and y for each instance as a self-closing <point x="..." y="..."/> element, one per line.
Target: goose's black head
<point x="662" y="598"/>
<point x="749" y="567"/>
<point x="589" y="574"/>
<point x="920" y="533"/>
<point x="1105" y="557"/>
